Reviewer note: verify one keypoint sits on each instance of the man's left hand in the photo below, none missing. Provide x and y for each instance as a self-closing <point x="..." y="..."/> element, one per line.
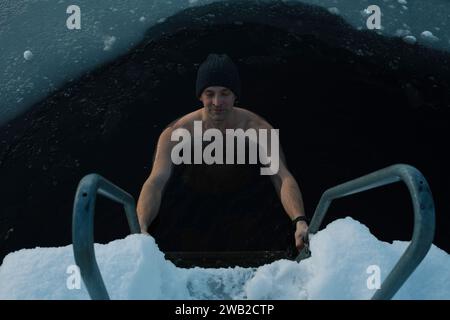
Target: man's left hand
<point x="300" y="233"/>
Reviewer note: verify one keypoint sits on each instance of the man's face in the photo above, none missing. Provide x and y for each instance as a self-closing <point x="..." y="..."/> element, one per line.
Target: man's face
<point x="218" y="102"/>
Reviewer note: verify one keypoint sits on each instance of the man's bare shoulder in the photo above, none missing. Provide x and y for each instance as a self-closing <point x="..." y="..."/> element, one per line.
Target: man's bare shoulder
<point x="186" y="121"/>
<point x="251" y="119"/>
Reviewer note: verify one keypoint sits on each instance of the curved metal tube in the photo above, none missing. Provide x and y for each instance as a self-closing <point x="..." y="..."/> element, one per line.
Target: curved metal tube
<point x="424" y="219"/>
<point x="83" y="228"/>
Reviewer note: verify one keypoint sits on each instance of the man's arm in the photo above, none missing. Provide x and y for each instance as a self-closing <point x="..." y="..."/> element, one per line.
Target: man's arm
<point x="287" y="189"/>
<point x="152" y="190"/>
<point x="291" y="197"/>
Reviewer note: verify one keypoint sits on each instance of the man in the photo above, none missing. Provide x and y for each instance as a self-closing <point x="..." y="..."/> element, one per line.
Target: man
<point x="218" y="87"/>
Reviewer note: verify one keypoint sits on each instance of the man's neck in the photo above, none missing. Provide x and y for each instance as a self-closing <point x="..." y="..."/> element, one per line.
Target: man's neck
<point x="222" y="125"/>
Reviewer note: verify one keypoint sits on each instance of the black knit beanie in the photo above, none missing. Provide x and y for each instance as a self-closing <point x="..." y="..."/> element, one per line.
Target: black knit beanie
<point x="218" y="70"/>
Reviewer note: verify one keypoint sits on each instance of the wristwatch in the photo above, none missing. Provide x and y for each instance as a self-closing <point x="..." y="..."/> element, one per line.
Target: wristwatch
<point x="299" y="218"/>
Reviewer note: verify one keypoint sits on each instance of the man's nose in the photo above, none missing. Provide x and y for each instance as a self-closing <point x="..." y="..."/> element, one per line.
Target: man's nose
<point x="217" y="100"/>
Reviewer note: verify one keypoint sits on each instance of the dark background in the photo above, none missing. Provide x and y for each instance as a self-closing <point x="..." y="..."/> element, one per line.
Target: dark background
<point x="346" y="102"/>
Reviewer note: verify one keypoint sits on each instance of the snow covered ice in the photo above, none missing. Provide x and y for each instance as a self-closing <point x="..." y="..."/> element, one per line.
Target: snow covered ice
<point x="134" y="268"/>
<point x="109" y="28"/>
<point x="28" y="55"/>
<point x="410" y="39"/>
<point x="334" y="10"/>
<point x="429" y="36"/>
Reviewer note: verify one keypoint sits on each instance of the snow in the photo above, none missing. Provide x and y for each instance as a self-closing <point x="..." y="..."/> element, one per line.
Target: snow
<point x="402" y="32"/>
<point x="334" y="10"/>
<point x="28" y="55"/>
<point x="134" y="268"/>
<point x="410" y="39"/>
<point x="429" y="36"/>
<point x="108" y="42"/>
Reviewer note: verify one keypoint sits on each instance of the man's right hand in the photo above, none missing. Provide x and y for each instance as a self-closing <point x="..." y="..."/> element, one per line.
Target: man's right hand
<point x="151" y="193"/>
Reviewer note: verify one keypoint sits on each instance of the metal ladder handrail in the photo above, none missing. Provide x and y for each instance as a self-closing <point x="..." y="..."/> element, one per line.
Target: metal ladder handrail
<point x="83" y="228"/>
<point x="423" y="205"/>
<point x="424" y="219"/>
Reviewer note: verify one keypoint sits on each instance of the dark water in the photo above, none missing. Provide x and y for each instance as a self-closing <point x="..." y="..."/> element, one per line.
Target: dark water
<point x="221" y="207"/>
<point x="346" y="103"/>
